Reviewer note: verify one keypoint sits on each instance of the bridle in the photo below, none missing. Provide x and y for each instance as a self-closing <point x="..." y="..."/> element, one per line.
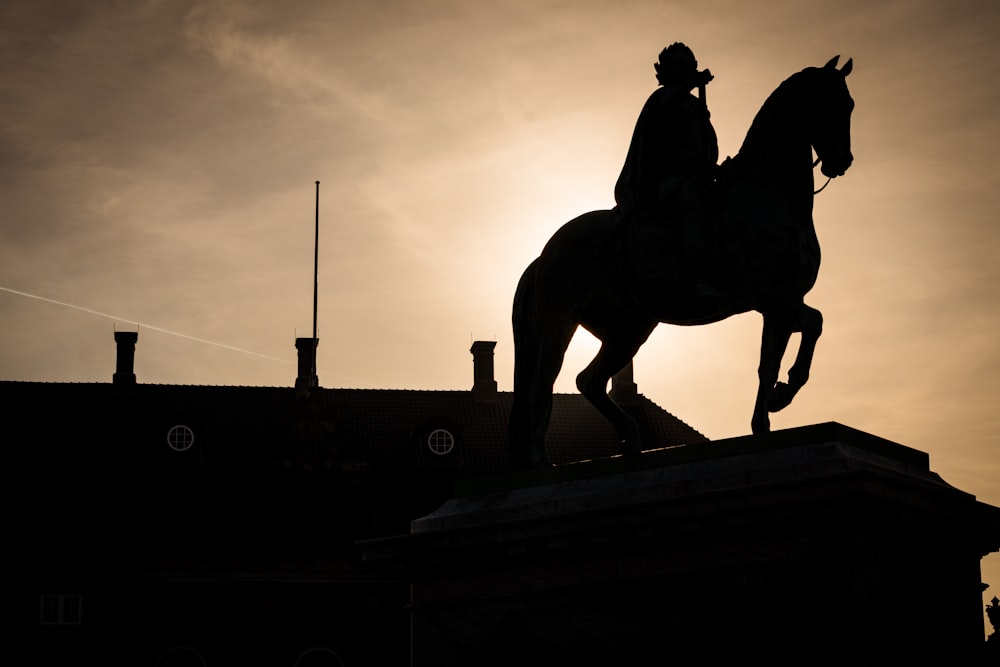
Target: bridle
<point x="728" y="163"/>
<point x="828" y="179"/>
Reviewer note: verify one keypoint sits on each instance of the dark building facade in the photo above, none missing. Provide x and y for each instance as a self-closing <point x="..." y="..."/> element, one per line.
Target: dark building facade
<point x="212" y="525"/>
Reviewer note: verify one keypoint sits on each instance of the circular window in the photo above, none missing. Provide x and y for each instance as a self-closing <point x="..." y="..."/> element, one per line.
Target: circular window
<point x="180" y="438"/>
<point x="440" y="441"/>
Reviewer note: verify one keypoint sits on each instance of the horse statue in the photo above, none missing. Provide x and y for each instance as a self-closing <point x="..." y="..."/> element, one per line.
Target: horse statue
<point x="619" y="285"/>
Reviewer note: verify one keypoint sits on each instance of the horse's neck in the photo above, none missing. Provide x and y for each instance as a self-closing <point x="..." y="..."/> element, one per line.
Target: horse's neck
<point x="776" y="147"/>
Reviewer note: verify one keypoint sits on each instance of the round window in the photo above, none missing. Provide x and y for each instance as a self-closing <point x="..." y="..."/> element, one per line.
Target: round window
<point x="440" y="441"/>
<point x="180" y="438"/>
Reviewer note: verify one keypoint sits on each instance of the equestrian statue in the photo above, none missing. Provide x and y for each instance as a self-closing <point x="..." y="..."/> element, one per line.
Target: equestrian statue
<point x="689" y="242"/>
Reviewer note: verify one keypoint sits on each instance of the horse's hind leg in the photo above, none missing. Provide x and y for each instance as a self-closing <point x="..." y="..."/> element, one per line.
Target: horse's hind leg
<point x="519" y="425"/>
<point x="551" y="350"/>
<point x="617" y="349"/>
<point x="541" y="336"/>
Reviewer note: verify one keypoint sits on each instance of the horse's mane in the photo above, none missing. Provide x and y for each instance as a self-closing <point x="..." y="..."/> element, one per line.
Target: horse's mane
<point x="777" y="106"/>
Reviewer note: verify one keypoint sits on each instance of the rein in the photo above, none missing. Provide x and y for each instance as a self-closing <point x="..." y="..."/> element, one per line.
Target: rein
<point x="727" y="165"/>
<point x="828" y="179"/>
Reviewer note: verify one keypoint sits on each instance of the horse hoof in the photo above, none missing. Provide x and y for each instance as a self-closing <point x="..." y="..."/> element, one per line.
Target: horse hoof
<point x="531" y="460"/>
<point x="780" y="398"/>
<point x="533" y="465"/>
<point x="760" y="426"/>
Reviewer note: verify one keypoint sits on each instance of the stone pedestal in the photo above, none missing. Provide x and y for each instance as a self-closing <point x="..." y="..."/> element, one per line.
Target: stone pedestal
<point x="817" y="545"/>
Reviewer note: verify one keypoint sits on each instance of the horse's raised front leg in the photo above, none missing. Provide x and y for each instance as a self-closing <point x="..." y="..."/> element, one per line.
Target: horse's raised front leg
<point x="774" y="341"/>
<point x="810" y="323"/>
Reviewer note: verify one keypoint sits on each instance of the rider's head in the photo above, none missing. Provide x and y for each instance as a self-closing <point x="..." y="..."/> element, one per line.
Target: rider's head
<point x="676" y="66"/>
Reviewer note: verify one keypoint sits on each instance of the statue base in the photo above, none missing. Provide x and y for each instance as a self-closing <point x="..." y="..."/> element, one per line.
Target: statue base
<point x="814" y="545"/>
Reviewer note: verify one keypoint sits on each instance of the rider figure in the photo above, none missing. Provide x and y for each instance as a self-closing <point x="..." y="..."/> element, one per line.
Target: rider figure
<point x="672" y="158"/>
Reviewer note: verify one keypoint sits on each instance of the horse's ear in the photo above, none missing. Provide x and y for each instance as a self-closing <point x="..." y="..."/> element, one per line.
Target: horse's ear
<point x="832" y="63"/>
<point x="848" y="67"/>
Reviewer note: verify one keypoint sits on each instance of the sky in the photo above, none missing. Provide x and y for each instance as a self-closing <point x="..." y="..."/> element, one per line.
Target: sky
<point x="158" y="163"/>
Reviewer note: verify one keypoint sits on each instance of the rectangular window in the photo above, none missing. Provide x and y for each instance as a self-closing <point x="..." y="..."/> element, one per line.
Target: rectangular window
<point x="61" y="609"/>
<point x="50" y="609"/>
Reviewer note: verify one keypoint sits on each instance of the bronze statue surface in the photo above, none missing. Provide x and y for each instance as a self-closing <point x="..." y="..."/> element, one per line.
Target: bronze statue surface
<point x="619" y="281"/>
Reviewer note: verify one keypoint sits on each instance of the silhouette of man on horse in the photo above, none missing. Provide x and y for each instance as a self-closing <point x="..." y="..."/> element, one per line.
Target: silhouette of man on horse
<point x="669" y="171"/>
<point x="620" y="273"/>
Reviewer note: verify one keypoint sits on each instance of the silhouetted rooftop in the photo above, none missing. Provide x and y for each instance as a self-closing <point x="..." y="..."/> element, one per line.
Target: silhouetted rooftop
<point x="389" y="425"/>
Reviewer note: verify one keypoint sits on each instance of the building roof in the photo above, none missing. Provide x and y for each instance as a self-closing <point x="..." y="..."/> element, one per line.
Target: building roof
<point x="387" y="427"/>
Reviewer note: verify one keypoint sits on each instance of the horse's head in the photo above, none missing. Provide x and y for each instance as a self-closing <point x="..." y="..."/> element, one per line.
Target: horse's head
<point x="810" y="111"/>
<point x="830" y="125"/>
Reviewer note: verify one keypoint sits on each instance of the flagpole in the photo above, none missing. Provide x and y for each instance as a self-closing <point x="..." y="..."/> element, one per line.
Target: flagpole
<point x="315" y="281"/>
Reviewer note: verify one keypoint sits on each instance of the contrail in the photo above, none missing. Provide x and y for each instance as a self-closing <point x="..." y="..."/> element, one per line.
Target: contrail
<point x="169" y="332"/>
<point x="144" y="326"/>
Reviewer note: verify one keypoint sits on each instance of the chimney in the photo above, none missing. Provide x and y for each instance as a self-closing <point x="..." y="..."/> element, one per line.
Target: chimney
<point x="484" y="387"/>
<point x="124" y="368"/>
<point x="307" y="363"/>
<point x="623" y="388"/>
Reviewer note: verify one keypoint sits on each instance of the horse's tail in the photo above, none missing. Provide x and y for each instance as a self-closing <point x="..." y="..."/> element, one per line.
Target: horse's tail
<point x="526" y="350"/>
